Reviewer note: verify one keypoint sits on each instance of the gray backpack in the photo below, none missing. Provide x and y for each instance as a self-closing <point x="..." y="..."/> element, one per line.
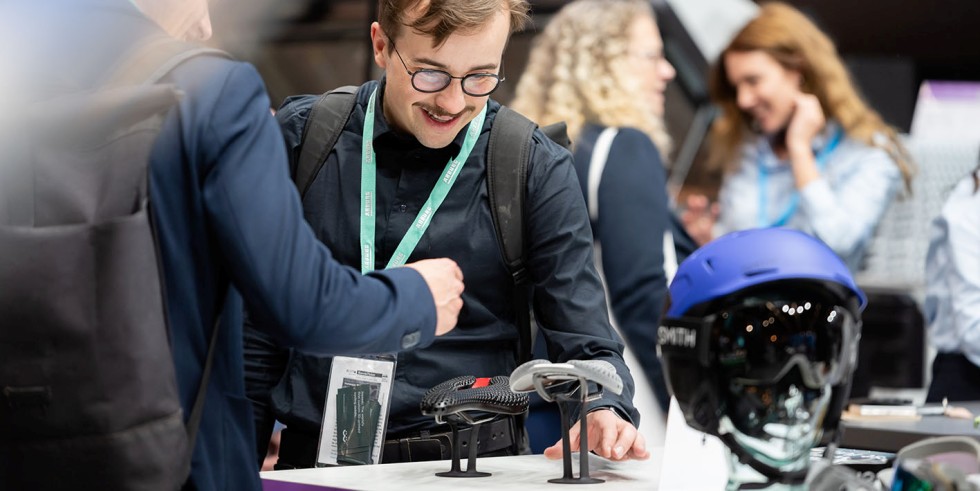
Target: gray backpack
<point x="88" y="392"/>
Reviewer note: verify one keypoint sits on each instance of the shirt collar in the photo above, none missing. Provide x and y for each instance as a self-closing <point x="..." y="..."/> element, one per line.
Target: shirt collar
<point x="765" y="156"/>
<point x="824" y="137"/>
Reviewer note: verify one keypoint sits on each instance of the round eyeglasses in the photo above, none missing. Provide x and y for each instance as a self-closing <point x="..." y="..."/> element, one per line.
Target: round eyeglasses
<point x="429" y="80"/>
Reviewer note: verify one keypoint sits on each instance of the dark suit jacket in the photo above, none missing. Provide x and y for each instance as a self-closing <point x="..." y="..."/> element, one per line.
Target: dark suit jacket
<point x="229" y="220"/>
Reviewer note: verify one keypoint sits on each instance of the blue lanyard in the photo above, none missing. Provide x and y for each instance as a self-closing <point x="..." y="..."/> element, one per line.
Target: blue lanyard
<point x="436" y="197"/>
<point x="794" y="199"/>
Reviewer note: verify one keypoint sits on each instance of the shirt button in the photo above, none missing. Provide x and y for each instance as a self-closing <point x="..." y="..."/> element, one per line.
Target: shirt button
<point x="402" y="208"/>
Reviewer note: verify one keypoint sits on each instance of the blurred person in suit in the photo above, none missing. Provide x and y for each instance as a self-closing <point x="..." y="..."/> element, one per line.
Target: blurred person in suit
<point x="228" y="226"/>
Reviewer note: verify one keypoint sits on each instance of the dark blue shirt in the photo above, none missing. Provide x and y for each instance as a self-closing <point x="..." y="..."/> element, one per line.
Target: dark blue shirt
<point x="568" y="297"/>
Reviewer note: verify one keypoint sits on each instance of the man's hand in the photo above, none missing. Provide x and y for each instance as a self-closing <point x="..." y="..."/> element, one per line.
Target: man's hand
<point x="445" y="281"/>
<point x="609" y="436"/>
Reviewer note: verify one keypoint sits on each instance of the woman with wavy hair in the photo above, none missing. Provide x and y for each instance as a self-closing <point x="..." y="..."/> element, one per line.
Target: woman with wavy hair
<point x="599" y="67"/>
<point x="798" y="145"/>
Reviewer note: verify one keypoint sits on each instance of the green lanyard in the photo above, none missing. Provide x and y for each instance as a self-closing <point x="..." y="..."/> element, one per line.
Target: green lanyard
<point x="436" y="197"/>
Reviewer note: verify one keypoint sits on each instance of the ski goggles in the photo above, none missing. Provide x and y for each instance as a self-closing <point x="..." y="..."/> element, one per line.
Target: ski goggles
<point x="943" y="463"/>
<point x="762" y="339"/>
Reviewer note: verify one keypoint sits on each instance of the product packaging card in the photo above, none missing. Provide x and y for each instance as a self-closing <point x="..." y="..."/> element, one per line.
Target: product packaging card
<point x="356" y="410"/>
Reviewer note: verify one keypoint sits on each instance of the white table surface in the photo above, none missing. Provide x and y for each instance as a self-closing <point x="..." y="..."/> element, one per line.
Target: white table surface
<point x="525" y="472"/>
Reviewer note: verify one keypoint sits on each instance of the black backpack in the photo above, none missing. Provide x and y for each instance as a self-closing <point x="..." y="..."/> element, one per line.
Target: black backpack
<point x="507" y="161"/>
<point x="89" y="393"/>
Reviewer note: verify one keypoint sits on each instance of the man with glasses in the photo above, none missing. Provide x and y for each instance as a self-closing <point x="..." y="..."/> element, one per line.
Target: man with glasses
<point x="407" y="180"/>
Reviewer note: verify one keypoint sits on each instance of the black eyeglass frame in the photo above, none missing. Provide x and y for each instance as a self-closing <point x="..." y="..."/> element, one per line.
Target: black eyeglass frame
<point x="449" y="77"/>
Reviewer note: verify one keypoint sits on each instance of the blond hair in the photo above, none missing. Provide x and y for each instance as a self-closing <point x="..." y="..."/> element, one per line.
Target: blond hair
<point x="797" y="44"/>
<point x="441" y="18"/>
<point x="579" y="71"/>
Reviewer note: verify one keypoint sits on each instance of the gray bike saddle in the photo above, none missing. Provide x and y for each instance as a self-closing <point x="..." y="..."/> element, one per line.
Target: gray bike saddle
<point x="522" y="379"/>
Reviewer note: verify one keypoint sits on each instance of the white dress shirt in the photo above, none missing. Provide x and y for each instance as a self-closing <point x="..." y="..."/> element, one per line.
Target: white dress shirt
<point x="952" y="306"/>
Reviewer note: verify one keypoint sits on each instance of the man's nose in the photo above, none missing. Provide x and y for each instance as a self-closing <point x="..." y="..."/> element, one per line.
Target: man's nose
<point x="452" y="99"/>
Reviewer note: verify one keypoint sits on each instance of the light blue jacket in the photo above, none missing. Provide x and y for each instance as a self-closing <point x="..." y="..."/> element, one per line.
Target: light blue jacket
<point x="842" y="207"/>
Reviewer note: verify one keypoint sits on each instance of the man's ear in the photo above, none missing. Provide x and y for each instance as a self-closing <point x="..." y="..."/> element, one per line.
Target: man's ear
<point x="379" y="42"/>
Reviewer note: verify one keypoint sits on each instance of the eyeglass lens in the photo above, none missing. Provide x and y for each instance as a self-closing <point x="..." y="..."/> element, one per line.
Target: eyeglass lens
<point x="477" y="84"/>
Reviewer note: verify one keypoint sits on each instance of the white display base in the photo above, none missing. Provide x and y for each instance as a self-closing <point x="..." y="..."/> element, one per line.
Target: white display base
<point x="524" y="472"/>
<point x="694" y="461"/>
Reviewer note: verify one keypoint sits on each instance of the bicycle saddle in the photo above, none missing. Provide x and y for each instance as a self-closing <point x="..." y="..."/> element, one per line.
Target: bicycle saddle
<point x="522" y="379"/>
<point x="468" y="393"/>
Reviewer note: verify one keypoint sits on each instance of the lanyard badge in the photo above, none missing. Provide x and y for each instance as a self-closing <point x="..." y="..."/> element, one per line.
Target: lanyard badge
<point x="432" y="204"/>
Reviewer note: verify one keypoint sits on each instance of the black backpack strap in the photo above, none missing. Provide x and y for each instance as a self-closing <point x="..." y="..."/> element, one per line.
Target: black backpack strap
<point x="194" y="420"/>
<point x="323" y="126"/>
<point x="507" y="162"/>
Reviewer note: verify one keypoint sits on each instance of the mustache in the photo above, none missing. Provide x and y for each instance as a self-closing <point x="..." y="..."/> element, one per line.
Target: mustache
<point x="442" y="113"/>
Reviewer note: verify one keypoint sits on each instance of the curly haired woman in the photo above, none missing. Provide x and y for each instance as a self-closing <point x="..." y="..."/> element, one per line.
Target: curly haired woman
<point x="799" y="146"/>
<point x="599" y="67"/>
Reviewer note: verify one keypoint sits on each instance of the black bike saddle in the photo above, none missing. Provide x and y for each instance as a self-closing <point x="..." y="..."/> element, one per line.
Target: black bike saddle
<point x="469" y="393"/>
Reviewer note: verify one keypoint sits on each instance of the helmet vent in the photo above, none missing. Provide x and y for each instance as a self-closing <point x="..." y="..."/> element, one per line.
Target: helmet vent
<point x="759" y="271"/>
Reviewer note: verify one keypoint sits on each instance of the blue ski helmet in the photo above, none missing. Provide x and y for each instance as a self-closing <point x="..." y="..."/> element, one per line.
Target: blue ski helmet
<point x="748" y="258"/>
<point x="757" y="312"/>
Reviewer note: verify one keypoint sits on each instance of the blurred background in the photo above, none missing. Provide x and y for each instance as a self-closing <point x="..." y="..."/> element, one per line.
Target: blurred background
<point x="891" y="47"/>
<point x="896" y="50"/>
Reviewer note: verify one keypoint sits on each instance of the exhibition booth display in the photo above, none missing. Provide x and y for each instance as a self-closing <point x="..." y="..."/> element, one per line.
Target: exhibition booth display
<point x="758" y="344"/>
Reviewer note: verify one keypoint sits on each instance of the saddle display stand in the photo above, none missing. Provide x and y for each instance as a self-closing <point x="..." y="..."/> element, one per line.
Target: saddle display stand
<point x="472" y="401"/>
<point x="568" y="385"/>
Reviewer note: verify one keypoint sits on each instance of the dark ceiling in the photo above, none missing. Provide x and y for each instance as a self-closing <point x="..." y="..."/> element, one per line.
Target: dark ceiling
<point x="890" y="47"/>
<point x="941" y="36"/>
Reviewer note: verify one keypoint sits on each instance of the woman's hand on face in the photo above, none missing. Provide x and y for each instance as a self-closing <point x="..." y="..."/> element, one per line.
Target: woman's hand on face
<point x="807" y="120"/>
